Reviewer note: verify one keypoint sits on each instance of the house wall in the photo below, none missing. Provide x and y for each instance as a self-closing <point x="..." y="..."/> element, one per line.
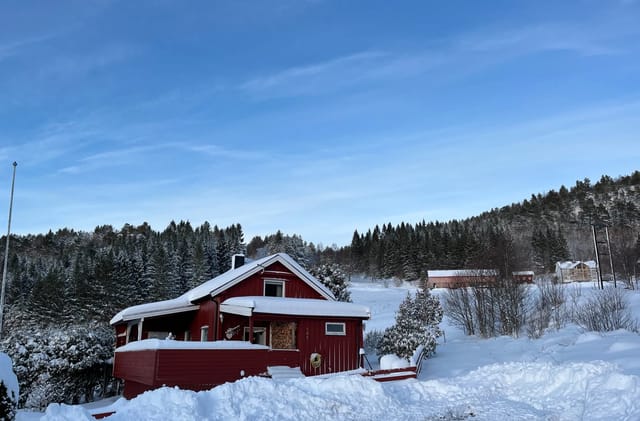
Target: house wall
<point x="254" y="285"/>
<point x="194" y="369"/>
<point x="339" y="353"/>
<point x="457" y="281"/>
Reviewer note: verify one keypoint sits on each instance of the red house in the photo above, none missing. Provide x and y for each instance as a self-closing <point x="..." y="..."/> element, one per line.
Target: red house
<point x="255" y="319"/>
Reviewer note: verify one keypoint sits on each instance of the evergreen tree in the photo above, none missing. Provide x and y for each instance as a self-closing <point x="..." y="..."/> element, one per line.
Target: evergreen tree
<point x="333" y="278"/>
<point x="417" y="324"/>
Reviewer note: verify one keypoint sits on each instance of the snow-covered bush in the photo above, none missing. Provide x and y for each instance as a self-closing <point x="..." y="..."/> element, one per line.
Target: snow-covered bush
<point x="8" y="389"/>
<point x="416" y="324"/>
<point x="605" y="311"/>
<point x="371" y="341"/>
<point x="333" y="278"/>
<point x="55" y="365"/>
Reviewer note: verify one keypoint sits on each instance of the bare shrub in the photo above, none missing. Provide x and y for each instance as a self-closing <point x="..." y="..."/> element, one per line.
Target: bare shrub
<point x="548" y="308"/>
<point x="606" y="310"/>
<point x="488" y="309"/>
<point x="459" y="306"/>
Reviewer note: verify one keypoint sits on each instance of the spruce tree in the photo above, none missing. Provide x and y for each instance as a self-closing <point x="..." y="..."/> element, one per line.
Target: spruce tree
<point x="417" y="324"/>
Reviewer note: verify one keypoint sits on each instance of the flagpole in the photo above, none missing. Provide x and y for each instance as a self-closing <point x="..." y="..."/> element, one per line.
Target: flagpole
<point x="6" y="250"/>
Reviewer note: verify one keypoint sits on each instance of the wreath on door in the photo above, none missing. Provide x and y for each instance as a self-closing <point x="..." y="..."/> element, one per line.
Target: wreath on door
<point x="316" y="360"/>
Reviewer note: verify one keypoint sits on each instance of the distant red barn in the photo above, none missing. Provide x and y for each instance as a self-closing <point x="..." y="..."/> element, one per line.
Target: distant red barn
<point x="248" y="321"/>
<point x="456" y="278"/>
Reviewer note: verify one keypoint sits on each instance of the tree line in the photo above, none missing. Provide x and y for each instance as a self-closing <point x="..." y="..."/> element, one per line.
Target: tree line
<point x="531" y="235"/>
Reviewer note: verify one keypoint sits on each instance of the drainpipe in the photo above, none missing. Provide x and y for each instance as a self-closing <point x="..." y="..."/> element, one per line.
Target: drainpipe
<point x="216" y="320"/>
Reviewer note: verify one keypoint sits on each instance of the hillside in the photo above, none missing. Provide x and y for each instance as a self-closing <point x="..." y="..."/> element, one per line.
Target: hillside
<point x="530" y="235"/>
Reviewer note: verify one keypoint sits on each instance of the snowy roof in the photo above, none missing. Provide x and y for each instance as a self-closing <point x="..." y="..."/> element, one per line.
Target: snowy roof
<point x="523" y="272"/>
<point x="217" y="285"/>
<point x="572" y="265"/>
<point x="159" y="308"/>
<point x="234" y="276"/>
<point x="461" y="272"/>
<point x="147" y="344"/>
<point x="245" y="306"/>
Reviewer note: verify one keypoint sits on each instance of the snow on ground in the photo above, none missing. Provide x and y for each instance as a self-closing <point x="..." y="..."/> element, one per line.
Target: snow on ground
<point x="7" y="376"/>
<point x="565" y="375"/>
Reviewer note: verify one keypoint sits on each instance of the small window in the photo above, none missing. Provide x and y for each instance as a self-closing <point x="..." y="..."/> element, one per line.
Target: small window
<point x="334" y="329"/>
<point x="204" y="333"/>
<point x="187" y="335"/>
<point x="259" y="335"/>
<point x="273" y="288"/>
<point x="154" y="334"/>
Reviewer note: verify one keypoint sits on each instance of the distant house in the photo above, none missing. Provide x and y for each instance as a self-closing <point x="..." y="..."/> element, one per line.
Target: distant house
<point x="523" y="276"/>
<point x="578" y="271"/>
<point x="456" y="278"/>
<point x="258" y="318"/>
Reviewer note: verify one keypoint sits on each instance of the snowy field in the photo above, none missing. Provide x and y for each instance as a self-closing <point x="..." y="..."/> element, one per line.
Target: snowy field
<point x="564" y="375"/>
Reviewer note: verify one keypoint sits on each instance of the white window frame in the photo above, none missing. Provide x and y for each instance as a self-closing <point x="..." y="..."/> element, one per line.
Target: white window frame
<point x="262" y="330"/>
<point x="332" y="333"/>
<point x="204" y="333"/>
<point x="273" y="282"/>
<point x="157" y="334"/>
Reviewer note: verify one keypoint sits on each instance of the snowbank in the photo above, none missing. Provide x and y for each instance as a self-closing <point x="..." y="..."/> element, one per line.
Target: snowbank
<point x="389" y="362"/>
<point x="570" y="391"/>
<point x="8" y="376"/>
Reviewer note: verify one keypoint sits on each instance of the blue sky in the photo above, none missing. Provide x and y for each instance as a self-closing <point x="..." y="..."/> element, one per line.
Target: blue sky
<point x="312" y="117"/>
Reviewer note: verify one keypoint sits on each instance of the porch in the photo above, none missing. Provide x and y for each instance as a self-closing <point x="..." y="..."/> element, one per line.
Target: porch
<point x="153" y="363"/>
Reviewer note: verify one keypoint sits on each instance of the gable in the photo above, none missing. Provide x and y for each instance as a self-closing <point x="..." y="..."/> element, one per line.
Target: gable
<point x="280" y="264"/>
<point x="298" y="284"/>
<point x="292" y="285"/>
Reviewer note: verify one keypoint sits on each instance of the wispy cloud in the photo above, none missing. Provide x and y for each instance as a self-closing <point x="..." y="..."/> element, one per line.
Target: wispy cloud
<point x="12" y="48"/>
<point x="464" y="53"/>
<point x="578" y="38"/>
<point x="315" y="78"/>
<point x="111" y="158"/>
<point x="218" y="151"/>
<point x="81" y="64"/>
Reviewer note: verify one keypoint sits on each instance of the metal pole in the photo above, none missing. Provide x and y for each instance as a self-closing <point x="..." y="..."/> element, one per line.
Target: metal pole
<point x="6" y="250"/>
<point x="599" y="268"/>
<point x="613" y="271"/>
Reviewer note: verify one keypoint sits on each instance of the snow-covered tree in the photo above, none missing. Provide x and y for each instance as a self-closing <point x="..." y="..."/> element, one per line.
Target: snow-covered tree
<point x="334" y="279"/>
<point x="60" y="365"/>
<point x="417" y="324"/>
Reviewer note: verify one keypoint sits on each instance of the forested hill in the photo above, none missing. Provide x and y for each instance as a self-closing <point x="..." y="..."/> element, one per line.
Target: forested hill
<point x="531" y="235"/>
<point x="72" y="277"/>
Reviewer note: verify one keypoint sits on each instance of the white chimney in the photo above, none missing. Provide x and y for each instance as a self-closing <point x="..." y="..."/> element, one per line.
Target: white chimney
<point x="237" y="260"/>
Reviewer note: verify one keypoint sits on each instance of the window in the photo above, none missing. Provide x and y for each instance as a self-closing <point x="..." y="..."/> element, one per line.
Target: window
<point x="259" y="335"/>
<point x="187" y="335"/>
<point x="334" y="329"/>
<point x="273" y="288"/>
<point x="204" y="333"/>
<point x="155" y="334"/>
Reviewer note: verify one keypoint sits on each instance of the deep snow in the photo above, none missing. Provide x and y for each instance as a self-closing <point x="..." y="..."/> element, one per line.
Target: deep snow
<point x="564" y="375"/>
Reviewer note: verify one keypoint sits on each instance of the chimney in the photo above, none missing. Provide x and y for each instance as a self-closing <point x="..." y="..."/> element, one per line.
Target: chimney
<point x="237" y="260"/>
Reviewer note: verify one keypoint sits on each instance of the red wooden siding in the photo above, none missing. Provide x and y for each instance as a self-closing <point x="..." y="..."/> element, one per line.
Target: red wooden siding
<point x="254" y="285"/>
<point x="136" y="366"/>
<point x="195" y="369"/>
<point x="339" y="353"/>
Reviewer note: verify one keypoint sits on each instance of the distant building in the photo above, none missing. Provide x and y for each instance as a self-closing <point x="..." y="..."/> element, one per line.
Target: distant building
<point x="578" y="271"/>
<point x="523" y="276"/>
<point x="456" y="278"/>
